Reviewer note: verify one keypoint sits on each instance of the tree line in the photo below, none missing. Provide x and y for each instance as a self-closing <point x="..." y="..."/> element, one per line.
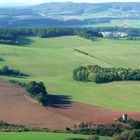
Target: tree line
<point x="95" y="73"/>
<point x="5" y="70"/>
<point x="10" y="36"/>
<point x="6" y="127"/>
<point x="106" y="129"/>
<point x="99" y="129"/>
<point x="127" y="135"/>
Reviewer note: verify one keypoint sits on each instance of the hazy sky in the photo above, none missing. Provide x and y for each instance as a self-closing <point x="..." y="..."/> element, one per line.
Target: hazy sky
<point x="45" y="1"/>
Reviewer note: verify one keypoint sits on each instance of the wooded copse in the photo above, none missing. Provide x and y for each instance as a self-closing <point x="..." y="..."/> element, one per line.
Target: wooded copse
<point x="95" y="73"/>
<point x="38" y="91"/>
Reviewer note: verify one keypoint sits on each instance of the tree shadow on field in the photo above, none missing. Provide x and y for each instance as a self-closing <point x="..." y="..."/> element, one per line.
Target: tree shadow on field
<point x="16" y="76"/>
<point x="24" y="41"/>
<point x="59" y="101"/>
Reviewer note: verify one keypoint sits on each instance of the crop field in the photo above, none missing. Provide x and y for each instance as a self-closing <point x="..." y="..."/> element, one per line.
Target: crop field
<point x="52" y="61"/>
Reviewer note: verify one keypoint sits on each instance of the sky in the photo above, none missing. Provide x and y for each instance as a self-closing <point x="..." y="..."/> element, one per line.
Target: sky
<point x="45" y="1"/>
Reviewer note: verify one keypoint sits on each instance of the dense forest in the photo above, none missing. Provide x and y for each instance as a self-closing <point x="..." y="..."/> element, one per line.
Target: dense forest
<point x="95" y="73"/>
<point x="10" y="36"/>
<point x="11" y="22"/>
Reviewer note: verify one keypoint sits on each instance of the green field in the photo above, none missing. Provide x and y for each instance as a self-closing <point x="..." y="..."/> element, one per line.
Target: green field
<point x="40" y="136"/>
<point x="37" y="136"/>
<point x="52" y="61"/>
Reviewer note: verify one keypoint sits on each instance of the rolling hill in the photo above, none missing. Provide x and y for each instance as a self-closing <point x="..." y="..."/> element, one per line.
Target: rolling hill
<point x="70" y="14"/>
<point x="124" y="10"/>
<point x="53" y="60"/>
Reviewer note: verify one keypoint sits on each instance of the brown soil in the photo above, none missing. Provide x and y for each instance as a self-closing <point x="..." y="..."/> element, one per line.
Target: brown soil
<point x="17" y="107"/>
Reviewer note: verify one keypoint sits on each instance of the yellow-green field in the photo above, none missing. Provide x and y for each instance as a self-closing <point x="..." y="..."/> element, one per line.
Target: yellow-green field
<point x="52" y="61"/>
<point x="41" y="136"/>
<point x="38" y="136"/>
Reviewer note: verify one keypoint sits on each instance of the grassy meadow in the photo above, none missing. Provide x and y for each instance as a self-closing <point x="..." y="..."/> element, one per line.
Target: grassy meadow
<point x="40" y="136"/>
<point x="52" y="61"/>
<point x="117" y="23"/>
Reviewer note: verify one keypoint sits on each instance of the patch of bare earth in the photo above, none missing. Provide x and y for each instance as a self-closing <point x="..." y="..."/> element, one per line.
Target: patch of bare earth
<point x="17" y="107"/>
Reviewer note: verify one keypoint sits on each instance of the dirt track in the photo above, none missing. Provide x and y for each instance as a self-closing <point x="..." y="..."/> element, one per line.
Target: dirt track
<point x="17" y="107"/>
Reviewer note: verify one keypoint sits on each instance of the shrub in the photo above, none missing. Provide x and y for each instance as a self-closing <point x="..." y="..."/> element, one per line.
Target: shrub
<point x="37" y="91"/>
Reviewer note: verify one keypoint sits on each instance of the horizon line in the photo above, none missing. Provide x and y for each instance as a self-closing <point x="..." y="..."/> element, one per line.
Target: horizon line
<point x="26" y="3"/>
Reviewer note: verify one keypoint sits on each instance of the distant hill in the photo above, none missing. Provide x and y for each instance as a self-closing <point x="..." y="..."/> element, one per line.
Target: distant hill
<point x="60" y="9"/>
<point x="67" y="13"/>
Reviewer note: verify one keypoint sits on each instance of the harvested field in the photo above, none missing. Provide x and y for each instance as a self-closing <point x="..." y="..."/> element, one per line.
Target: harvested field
<point x="18" y="108"/>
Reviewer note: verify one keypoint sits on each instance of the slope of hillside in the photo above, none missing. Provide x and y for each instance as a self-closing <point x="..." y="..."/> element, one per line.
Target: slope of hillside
<point x="52" y="61"/>
<point x="17" y="107"/>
